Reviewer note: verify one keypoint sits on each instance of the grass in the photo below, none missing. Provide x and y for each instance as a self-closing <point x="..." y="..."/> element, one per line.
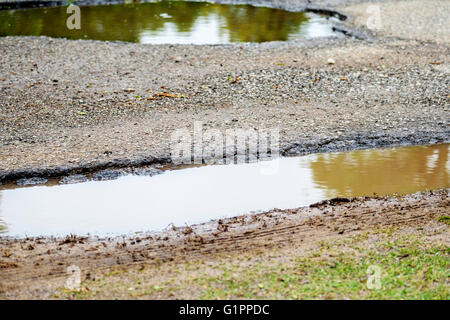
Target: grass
<point x="407" y="271"/>
<point x="444" y="219"/>
<point x="375" y="265"/>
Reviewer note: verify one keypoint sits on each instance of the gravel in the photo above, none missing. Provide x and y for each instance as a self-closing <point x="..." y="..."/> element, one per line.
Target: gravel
<point x="414" y="19"/>
<point x="71" y="107"/>
<point x="76" y="178"/>
<point x="31" y="181"/>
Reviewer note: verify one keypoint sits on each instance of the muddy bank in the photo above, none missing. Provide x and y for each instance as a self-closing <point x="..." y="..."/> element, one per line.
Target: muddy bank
<point x="36" y="267"/>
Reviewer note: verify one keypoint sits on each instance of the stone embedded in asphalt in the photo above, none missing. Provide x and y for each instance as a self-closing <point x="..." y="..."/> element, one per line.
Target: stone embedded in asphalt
<point x="76" y="178"/>
<point x="31" y="181"/>
<point x="146" y="171"/>
<point x="107" y="174"/>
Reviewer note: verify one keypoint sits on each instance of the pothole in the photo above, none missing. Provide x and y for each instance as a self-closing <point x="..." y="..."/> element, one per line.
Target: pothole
<point x="173" y="22"/>
<point x="196" y="194"/>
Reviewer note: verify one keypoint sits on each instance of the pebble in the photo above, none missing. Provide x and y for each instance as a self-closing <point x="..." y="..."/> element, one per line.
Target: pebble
<point x="31" y="181"/>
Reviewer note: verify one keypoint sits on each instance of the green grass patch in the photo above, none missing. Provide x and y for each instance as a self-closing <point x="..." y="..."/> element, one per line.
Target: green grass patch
<point x="379" y="265"/>
<point x="402" y="269"/>
<point x="444" y="219"/>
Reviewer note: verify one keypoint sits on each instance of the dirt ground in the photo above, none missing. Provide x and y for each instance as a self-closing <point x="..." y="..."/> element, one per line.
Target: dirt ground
<point x="37" y="268"/>
<point x="73" y="106"/>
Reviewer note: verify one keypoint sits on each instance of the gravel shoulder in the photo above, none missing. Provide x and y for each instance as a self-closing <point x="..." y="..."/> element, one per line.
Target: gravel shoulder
<point x="410" y="19"/>
<point x="70" y="106"/>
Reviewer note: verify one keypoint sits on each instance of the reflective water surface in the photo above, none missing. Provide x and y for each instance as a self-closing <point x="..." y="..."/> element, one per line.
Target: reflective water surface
<point x="168" y="22"/>
<point x="193" y="195"/>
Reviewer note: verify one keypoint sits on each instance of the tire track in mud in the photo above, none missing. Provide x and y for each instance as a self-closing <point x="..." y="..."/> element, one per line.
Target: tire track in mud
<point x="264" y="231"/>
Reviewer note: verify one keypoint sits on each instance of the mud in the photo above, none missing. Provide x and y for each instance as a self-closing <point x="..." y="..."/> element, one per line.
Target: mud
<point x="36" y="267"/>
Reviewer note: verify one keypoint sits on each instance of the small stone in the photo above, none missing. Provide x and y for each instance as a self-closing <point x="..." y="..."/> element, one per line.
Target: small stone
<point x="31" y="181"/>
<point x="331" y="61"/>
<point x="76" y="178"/>
<point x="107" y="174"/>
<point x="146" y="171"/>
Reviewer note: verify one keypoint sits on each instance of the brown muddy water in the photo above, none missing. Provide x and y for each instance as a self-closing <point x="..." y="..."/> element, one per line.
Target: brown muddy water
<point x="168" y="22"/>
<point x="133" y="204"/>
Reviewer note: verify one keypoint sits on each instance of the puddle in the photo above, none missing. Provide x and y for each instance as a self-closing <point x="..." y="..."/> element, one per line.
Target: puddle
<point x="168" y="22"/>
<point x="199" y="194"/>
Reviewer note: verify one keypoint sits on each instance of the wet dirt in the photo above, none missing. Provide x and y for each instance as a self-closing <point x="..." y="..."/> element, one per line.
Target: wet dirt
<point x="36" y="267"/>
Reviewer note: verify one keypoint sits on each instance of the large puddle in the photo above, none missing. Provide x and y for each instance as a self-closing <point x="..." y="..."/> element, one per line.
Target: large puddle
<point x="198" y="194"/>
<point x="168" y="22"/>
